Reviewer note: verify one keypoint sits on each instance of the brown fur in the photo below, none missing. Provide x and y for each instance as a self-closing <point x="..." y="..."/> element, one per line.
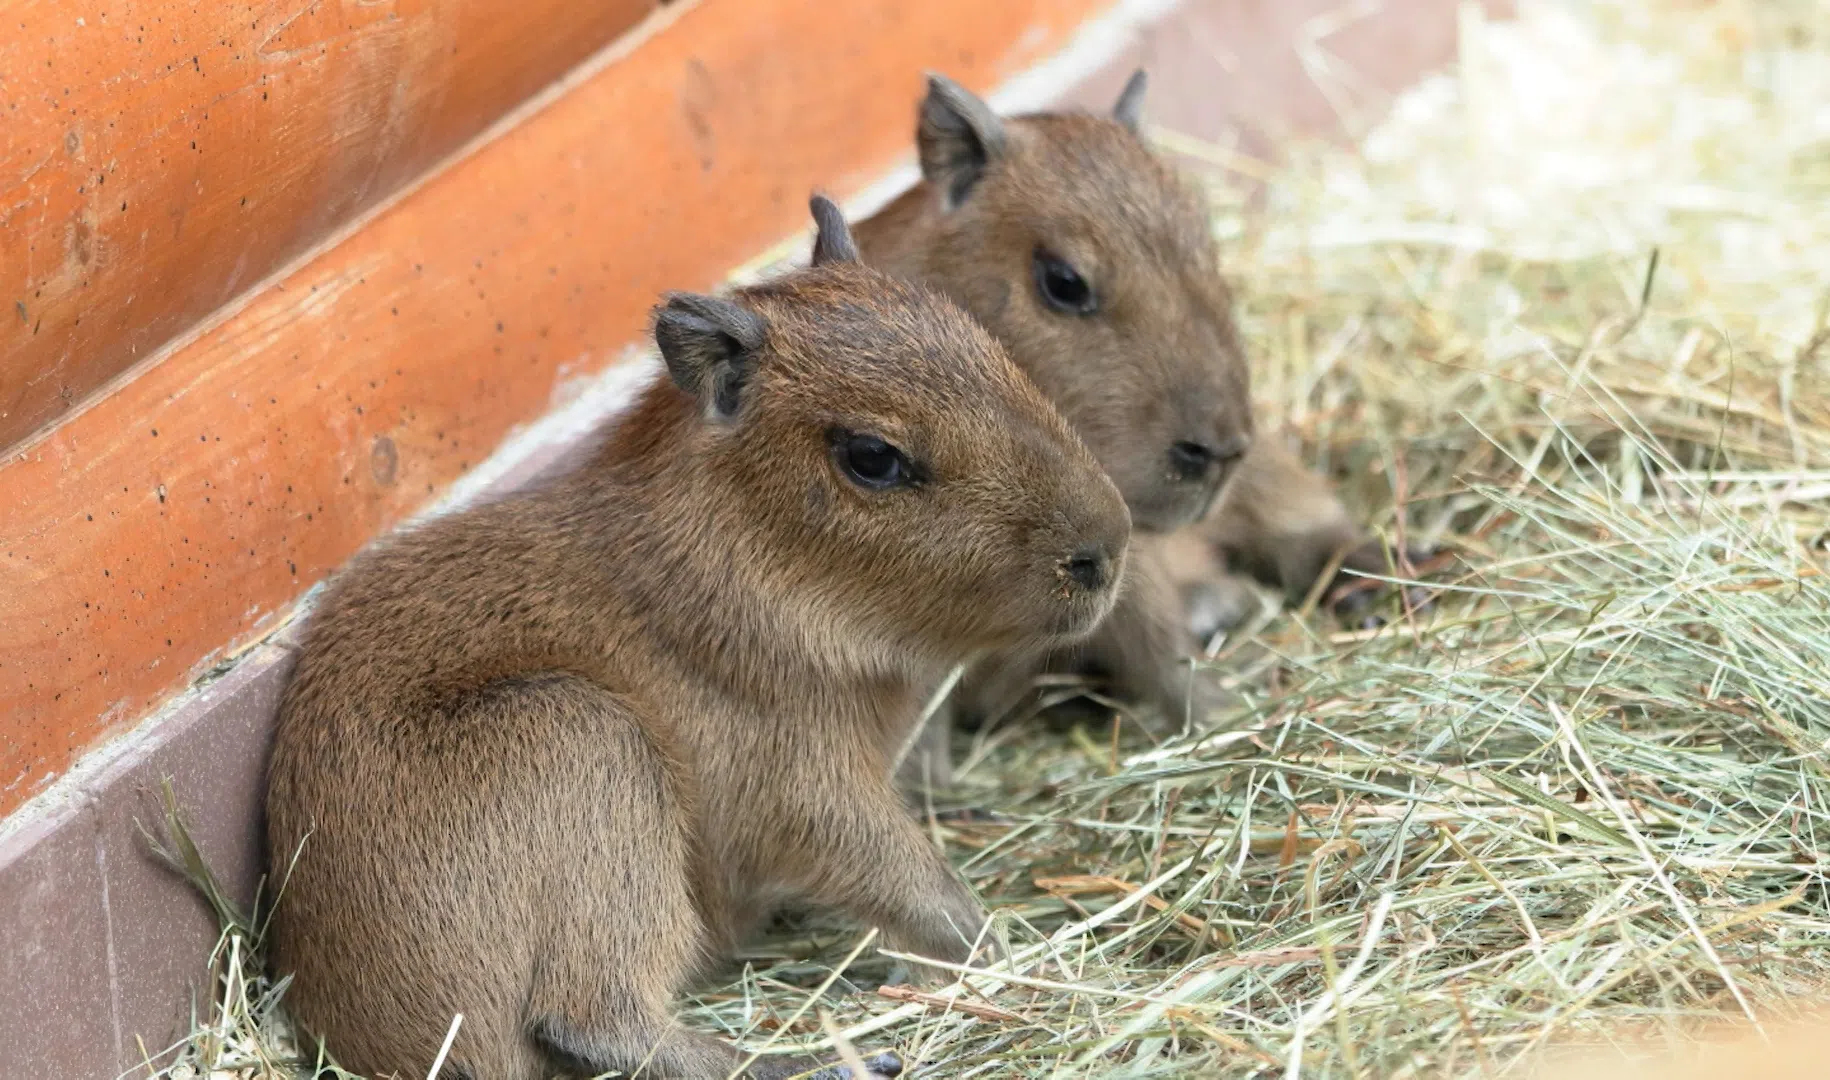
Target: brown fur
<point x="1157" y="363"/>
<point x="545" y="760"/>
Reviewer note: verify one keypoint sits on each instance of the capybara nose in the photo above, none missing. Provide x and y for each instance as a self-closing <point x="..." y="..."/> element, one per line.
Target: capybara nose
<point x="1090" y="568"/>
<point x="1190" y="460"/>
<point x="1096" y="559"/>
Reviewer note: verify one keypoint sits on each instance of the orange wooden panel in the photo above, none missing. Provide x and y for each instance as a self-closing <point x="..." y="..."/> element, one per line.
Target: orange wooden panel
<point x="177" y="516"/>
<point x="156" y="159"/>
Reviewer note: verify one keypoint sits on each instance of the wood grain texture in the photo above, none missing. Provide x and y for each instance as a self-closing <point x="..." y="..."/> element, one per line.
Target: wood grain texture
<point x="157" y="159"/>
<point x="175" y="518"/>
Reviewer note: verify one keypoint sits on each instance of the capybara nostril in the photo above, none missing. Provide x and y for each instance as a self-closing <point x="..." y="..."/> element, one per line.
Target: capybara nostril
<point x="1090" y="568"/>
<point x="1190" y="460"/>
<point x="1228" y="454"/>
<point x="1231" y="450"/>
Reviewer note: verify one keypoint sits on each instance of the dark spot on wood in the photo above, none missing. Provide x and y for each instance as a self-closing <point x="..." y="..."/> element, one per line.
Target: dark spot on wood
<point x="82" y="241"/>
<point x="384" y="460"/>
<point x="698" y="96"/>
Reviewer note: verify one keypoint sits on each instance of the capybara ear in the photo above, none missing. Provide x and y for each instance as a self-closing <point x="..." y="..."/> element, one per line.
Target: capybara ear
<point x="832" y="242"/>
<point x="957" y="137"/>
<point x="1129" y="110"/>
<point x="710" y="345"/>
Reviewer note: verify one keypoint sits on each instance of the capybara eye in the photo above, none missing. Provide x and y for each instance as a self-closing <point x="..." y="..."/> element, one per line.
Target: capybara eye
<point x="869" y="462"/>
<point x="1061" y="285"/>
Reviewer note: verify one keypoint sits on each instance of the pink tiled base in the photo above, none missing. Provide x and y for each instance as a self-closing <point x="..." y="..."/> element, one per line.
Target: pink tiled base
<point x="104" y="946"/>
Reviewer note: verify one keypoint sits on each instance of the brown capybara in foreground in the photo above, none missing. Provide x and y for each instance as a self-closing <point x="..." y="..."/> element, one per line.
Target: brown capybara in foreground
<point x="1095" y="265"/>
<point x="545" y="760"/>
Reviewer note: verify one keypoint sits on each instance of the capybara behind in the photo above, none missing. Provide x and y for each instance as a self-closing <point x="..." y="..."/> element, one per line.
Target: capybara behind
<point x="1094" y="264"/>
<point x="545" y="760"/>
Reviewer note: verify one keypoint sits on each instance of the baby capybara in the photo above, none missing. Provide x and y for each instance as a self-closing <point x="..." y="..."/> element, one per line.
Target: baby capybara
<point x="545" y="760"/>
